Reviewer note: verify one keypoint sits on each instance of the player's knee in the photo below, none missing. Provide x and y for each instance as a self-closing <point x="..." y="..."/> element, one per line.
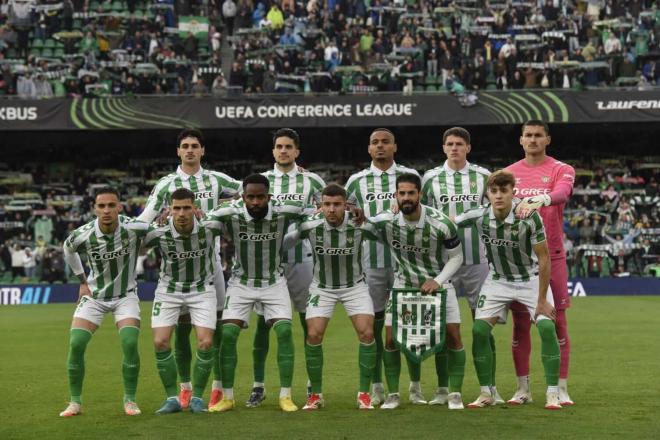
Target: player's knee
<point x="454" y="336"/>
<point x="161" y="343"/>
<point x="366" y="334"/>
<point x="230" y="334"/>
<point x="283" y="330"/>
<point x="205" y="342"/>
<point x="314" y="336"/>
<point x="480" y="330"/>
<point x="389" y="344"/>
<point x="547" y="329"/>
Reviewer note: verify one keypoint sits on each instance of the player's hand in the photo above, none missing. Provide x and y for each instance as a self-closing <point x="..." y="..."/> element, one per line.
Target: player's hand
<point x="301" y="169"/>
<point x="546" y="309"/>
<point x="358" y="215"/>
<point x="530" y="204"/>
<point x="395" y="207"/>
<point x="84" y="291"/>
<point x="199" y="214"/>
<point x="162" y="219"/>
<point x="429" y="287"/>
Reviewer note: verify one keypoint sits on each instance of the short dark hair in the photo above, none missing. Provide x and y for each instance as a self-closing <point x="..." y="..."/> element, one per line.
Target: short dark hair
<point x="536" y="123"/>
<point x="258" y="179"/>
<point x="501" y="178"/>
<point x="288" y="132"/>
<point x="409" y="178"/>
<point x="457" y="131"/>
<point x="107" y="190"/>
<point x="386" y="130"/>
<point x="182" y="194"/>
<point x="190" y="132"/>
<point x="333" y="190"/>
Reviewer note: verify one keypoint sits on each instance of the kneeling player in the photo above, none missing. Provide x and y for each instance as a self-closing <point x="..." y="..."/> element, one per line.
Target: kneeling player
<point x="111" y="244"/>
<point x="338" y="278"/>
<point x="186" y="283"/>
<point x="520" y="271"/>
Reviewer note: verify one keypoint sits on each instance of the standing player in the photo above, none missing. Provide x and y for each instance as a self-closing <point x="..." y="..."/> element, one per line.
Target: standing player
<point x="453" y="188"/>
<point x="519" y="258"/>
<point x="287" y="183"/>
<point x="209" y="188"/>
<point x="338" y="278"/>
<point x="186" y="281"/>
<point x="111" y="244"/>
<point x="373" y="190"/>
<point x="257" y="226"/>
<point x="421" y="239"/>
<point x="546" y="184"/>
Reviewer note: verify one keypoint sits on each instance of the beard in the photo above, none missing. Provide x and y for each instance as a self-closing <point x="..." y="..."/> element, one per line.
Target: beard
<point x="408" y="208"/>
<point x="258" y="212"/>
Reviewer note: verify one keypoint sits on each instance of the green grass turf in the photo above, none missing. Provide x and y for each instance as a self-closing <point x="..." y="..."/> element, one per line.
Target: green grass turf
<point x="614" y="367"/>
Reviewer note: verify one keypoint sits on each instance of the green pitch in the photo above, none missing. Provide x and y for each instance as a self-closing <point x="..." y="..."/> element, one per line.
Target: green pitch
<point x="614" y="380"/>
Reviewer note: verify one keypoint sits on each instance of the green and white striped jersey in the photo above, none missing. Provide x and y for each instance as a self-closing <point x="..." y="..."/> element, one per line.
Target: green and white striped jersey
<point x="295" y="186"/>
<point x="454" y="192"/>
<point x="337" y="251"/>
<point x="374" y="191"/>
<point x="111" y="258"/>
<point x="188" y="261"/>
<point x="209" y="188"/>
<point x="258" y="243"/>
<point x="419" y="248"/>
<point x="509" y="243"/>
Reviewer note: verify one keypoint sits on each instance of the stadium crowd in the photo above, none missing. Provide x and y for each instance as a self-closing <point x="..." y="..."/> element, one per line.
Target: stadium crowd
<point x="88" y="48"/>
<point x="611" y="223"/>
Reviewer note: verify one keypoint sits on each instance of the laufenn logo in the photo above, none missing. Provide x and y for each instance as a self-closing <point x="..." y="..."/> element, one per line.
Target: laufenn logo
<point x="457" y="198"/>
<point x="499" y="242"/>
<point x="258" y="237"/>
<point x="290" y="197"/>
<point x="204" y="195"/>
<point x="627" y="105"/>
<point x="370" y="197"/>
<point x="333" y="251"/>
<point x="409" y="248"/>
<point x="104" y="256"/>
<point x="18" y="113"/>
<point x="186" y="255"/>
<point x="531" y="191"/>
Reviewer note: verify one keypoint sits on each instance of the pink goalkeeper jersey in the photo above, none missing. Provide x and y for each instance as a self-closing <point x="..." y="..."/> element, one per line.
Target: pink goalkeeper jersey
<point x="556" y="179"/>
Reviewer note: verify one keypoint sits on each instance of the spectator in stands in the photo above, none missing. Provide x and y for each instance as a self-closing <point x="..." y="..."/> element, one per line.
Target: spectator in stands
<point x="25" y="87"/>
<point x="229" y="11"/>
<point x="5" y="257"/>
<point x="200" y="88"/>
<point x="219" y="87"/>
<point x="275" y="17"/>
<point x="587" y="232"/>
<point x="17" y="255"/>
<point x="42" y="87"/>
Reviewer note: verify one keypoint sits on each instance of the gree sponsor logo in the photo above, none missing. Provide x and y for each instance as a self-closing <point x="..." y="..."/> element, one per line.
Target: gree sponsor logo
<point x="457" y="198"/>
<point x="258" y="237"/>
<point x="408" y="248"/>
<point x="18" y="113"/>
<point x="531" y="191"/>
<point x="370" y="197"/>
<point x="333" y="251"/>
<point x="186" y="255"/>
<point x="204" y="195"/>
<point x="290" y="197"/>
<point x="104" y="256"/>
<point x="645" y="104"/>
<point x="499" y="242"/>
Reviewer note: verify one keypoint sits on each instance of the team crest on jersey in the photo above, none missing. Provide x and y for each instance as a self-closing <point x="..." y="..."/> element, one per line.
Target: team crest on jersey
<point x="124" y="242"/>
<point x="349" y="239"/>
<point x="545" y="179"/>
<point x="425" y="238"/>
<point x="473" y="185"/>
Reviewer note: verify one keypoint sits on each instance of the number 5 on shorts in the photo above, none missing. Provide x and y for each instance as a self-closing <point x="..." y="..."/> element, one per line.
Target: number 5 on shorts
<point x="156" y="309"/>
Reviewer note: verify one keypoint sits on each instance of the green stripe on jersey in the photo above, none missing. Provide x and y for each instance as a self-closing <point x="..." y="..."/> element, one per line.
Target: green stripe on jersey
<point x="455" y="193"/>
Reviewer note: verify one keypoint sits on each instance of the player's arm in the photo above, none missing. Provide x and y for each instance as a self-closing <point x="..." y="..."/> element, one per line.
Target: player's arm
<point x="469" y="218"/>
<point x="155" y="203"/>
<point x="561" y="191"/>
<point x="292" y="237"/>
<point x="72" y="258"/>
<point x="543" y="307"/>
<point x="455" y="253"/>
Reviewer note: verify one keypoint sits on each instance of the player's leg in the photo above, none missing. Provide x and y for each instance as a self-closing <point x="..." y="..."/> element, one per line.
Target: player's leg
<point x="86" y="319"/>
<point x="165" y="313"/>
<point x="203" y="314"/>
<point x="320" y="307"/>
<point x="260" y="347"/>
<point x="219" y="285"/>
<point x="183" y="357"/>
<point x="380" y="282"/>
<point x="455" y="351"/>
<point x="391" y="364"/>
<point x="559" y="286"/>
<point x="521" y="347"/>
<point x="127" y="318"/>
<point x="359" y="308"/>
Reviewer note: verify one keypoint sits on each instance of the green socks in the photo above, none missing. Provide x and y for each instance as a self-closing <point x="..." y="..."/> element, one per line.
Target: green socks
<point x="285" y="352"/>
<point x="314" y="362"/>
<point x="482" y="351"/>
<point x="392" y="363"/>
<point x="492" y="347"/>
<point x="202" y="370"/>
<point x="442" y="367"/>
<point x="260" y="349"/>
<point x="379" y="323"/>
<point x="549" y="351"/>
<point x="130" y="366"/>
<point x="228" y="355"/>
<point x="303" y="324"/>
<point x="183" y="350"/>
<point x="456" y="367"/>
<point x="414" y="370"/>
<point x="167" y="371"/>
<point x="367" y="362"/>
<point x="75" y="364"/>
<point x="217" y="342"/>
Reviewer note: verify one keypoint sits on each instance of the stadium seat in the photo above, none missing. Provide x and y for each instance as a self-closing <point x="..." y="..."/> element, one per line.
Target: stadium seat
<point x="37" y="43"/>
<point x="11" y="53"/>
<point x="431" y="88"/>
<point x="50" y="43"/>
<point x="58" y="88"/>
<point x="35" y="52"/>
<point x="47" y="52"/>
<point x="59" y="53"/>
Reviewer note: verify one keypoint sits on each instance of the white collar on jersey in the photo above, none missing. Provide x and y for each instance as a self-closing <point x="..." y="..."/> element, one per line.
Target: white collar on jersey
<point x="378" y="172"/>
<point x="451" y="171"/>
<point x="291" y="173"/>
<point x="249" y="218"/>
<point x="329" y="227"/>
<point x="176" y="234"/>
<point x="183" y="175"/>
<point x="99" y="233"/>
<point x="510" y="219"/>
<point x="420" y="222"/>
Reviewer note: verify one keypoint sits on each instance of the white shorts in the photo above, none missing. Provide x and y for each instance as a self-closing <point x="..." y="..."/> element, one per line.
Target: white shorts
<point x="453" y="315"/>
<point x="468" y="281"/>
<point x="168" y="306"/>
<point x="496" y="295"/>
<point x="356" y="300"/>
<point x="380" y="283"/>
<point x="240" y="301"/>
<point x="94" y="310"/>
